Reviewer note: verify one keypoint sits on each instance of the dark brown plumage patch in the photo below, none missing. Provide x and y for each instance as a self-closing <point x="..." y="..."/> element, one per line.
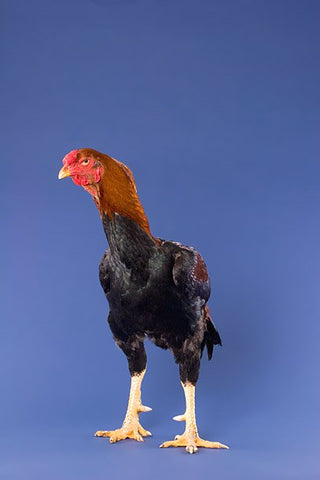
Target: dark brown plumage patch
<point x="200" y="269"/>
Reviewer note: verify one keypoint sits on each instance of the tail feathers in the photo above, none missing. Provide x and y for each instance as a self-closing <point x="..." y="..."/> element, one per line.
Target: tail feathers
<point x="211" y="336"/>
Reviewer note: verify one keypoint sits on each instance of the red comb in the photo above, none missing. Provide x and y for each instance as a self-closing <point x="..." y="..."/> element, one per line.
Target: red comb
<point x="70" y="158"/>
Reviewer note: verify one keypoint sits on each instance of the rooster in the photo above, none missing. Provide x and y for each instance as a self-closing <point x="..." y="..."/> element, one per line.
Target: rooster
<point x="155" y="288"/>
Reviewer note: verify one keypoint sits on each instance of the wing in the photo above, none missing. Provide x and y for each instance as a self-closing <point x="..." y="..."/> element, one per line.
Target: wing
<point x="104" y="272"/>
<point x="190" y="274"/>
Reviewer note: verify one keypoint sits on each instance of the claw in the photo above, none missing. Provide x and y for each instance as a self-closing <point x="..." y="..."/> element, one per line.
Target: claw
<point x="144" y="408"/>
<point x="144" y="433"/>
<point x="191" y="449"/>
<point x="180" y="418"/>
<point x="102" y="433"/>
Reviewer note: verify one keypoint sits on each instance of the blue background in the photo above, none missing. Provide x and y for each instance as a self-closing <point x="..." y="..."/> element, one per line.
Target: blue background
<point x="215" y="107"/>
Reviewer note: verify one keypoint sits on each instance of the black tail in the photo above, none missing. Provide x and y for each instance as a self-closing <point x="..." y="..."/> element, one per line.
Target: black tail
<point x="211" y="335"/>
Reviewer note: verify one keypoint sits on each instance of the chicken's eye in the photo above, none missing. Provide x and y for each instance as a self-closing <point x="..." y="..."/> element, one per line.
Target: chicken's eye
<point x="85" y="162"/>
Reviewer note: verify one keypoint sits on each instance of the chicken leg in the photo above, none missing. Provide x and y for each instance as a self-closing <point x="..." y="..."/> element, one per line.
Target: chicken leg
<point x="131" y="427"/>
<point x="190" y="438"/>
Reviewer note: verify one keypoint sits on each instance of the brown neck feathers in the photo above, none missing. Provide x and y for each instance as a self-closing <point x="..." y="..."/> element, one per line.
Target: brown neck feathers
<point x="118" y="193"/>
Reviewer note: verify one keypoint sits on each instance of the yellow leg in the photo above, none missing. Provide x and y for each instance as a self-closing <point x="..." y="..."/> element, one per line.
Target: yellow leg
<point x="131" y="427"/>
<point x="190" y="438"/>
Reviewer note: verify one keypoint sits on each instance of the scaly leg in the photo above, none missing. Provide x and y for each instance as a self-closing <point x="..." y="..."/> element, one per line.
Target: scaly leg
<point x="190" y="438"/>
<point x="131" y="427"/>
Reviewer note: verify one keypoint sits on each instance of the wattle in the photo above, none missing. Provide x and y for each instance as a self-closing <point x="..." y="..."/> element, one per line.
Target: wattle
<point x="89" y="178"/>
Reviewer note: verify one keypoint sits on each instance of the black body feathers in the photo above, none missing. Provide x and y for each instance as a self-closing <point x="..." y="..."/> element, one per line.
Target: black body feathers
<point x="157" y="289"/>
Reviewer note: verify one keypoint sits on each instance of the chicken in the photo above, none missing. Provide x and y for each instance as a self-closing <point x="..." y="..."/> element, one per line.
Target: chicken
<point x="155" y="288"/>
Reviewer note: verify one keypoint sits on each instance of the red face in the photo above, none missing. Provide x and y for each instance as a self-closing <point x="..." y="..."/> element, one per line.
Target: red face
<point x="83" y="169"/>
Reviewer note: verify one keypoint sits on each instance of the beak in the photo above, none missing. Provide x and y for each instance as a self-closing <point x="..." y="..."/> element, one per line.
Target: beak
<point x="64" y="172"/>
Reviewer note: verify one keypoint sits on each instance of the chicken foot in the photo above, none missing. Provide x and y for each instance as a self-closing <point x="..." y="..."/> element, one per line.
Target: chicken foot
<point x="190" y="438"/>
<point x="131" y="427"/>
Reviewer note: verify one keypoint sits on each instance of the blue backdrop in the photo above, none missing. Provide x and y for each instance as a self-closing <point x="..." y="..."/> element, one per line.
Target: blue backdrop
<point x="215" y="107"/>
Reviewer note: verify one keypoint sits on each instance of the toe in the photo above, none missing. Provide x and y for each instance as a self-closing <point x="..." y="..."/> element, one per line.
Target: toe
<point x="221" y="445"/>
<point x="165" y="444"/>
<point x="207" y="444"/>
<point x="144" y="408"/>
<point x="137" y="437"/>
<point x="191" y="449"/>
<point x="144" y="433"/>
<point x="102" y="433"/>
<point x="180" y="418"/>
